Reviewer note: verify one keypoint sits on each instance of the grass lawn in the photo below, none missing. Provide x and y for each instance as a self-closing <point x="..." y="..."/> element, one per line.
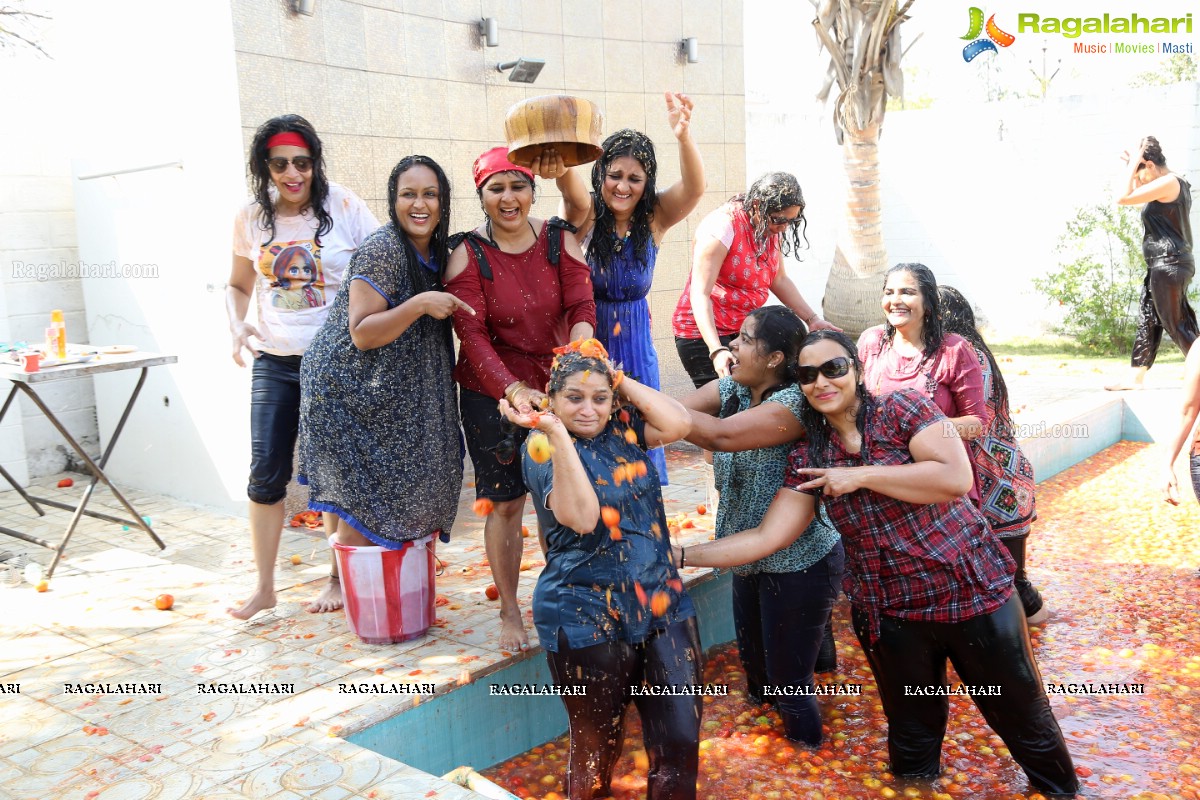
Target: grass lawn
<point x="1058" y="354"/>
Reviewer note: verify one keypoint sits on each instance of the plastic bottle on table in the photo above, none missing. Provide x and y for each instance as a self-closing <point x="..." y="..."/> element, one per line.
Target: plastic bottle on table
<point x="59" y="324"/>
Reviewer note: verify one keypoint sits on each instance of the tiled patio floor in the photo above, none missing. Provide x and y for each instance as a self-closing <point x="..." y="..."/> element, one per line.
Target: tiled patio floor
<point x="98" y="624"/>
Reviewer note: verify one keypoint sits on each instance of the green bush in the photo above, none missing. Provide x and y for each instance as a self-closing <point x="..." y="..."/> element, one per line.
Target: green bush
<point x="1101" y="286"/>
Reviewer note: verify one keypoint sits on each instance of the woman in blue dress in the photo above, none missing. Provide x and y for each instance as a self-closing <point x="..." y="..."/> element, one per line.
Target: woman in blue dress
<point x="621" y="224"/>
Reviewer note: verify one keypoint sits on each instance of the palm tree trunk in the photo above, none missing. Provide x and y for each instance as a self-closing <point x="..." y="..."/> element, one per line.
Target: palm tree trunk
<point x="855" y="282"/>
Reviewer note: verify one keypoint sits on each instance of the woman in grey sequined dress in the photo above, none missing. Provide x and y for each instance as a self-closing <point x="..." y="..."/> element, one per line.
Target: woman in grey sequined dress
<point x="380" y="444"/>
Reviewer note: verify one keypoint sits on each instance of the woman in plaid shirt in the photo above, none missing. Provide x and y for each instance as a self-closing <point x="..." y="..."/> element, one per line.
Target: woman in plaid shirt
<point x="927" y="579"/>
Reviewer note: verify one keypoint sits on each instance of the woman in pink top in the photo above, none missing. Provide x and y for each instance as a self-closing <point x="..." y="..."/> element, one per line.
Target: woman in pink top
<point x="910" y="351"/>
<point x="736" y="261"/>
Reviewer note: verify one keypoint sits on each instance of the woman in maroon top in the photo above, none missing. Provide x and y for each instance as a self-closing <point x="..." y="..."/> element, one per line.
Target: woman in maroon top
<point x="531" y="291"/>
<point x="927" y="580"/>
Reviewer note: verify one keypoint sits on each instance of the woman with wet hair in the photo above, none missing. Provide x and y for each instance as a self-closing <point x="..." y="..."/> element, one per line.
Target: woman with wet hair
<point x="530" y="290"/>
<point x="359" y="433"/>
<point x="781" y="603"/>
<point x="296" y="214"/>
<point x="1002" y="472"/>
<point x="621" y="224"/>
<point x="912" y="350"/>
<point x="928" y="582"/>
<point x="737" y="259"/>
<point x="610" y="608"/>
<point x="1167" y="248"/>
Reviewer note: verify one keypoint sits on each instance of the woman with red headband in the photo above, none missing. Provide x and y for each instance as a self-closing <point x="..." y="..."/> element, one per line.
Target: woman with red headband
<point x="531" y="291"/>
<point x="291" y="245"/>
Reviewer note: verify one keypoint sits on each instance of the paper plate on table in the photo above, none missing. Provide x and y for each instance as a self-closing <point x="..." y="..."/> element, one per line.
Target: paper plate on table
<point x="118" y="349"/>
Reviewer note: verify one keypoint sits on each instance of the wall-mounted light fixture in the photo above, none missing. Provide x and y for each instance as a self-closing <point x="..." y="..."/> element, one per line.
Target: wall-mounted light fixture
<point x="690" y="47"/>
<point x="489" y="29"/>
<point x="305" y="7"/>
<point x="524" y="70"/>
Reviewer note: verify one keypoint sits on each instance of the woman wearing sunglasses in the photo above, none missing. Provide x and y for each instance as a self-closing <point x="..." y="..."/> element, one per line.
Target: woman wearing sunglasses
<point x="912" y="350"/>
<point x="531" y="291"/>
<point x="781" y="603"/>
<point x="928" y="581"/>
<point x="736" y="260"/>
<point x="291" y="246"/>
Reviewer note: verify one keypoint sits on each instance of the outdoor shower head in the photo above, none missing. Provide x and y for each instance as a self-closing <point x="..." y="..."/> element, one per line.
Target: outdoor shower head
<point x="524" y="70"/>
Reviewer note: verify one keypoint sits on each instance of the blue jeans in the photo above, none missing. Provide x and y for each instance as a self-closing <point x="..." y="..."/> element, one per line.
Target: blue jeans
<point x="780" y="620"/>
<point x="274" y="425"/>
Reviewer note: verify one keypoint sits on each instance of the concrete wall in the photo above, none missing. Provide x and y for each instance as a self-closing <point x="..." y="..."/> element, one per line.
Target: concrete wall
<point x="37" y="227"/>
<point x="382" y="79"/>
<point x="379" y="80"/>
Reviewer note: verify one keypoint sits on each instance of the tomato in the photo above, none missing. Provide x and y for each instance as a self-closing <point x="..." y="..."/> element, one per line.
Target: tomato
<point x="42" y="586"/>
<point x="702" y="509"/>
<point x="660" y="602"/>
<point x="483" y="507"/>
<point x="539" y="448"/>
<point x="66" y="483"/>
<point x="164" y="602"/>
<point x="492" y="592"/>
<point x="610" y="515"/>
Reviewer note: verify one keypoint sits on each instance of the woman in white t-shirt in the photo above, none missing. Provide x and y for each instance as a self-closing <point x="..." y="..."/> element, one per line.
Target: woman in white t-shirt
<point x="291" y="246"/>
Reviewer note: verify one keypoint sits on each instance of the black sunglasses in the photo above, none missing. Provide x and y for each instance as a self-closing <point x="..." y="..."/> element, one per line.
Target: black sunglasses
<point x="279" y="164"/>
<point x="774" y="220"/>
<point x="833" y="368"/>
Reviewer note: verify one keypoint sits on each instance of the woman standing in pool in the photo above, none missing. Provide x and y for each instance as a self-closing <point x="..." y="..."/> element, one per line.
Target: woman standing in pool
<point x="610" y="608"/>
<point x="621" y="225"/>
<point x="781" y="603"/>
<point x="928" y="581"/>
<point x="913" y="351"/>
<point x="1167" y="248"/>
<point x="1003" y="473"/>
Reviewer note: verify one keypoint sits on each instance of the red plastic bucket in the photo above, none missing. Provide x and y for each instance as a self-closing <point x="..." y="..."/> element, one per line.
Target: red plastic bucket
<point x="388" y="593"/>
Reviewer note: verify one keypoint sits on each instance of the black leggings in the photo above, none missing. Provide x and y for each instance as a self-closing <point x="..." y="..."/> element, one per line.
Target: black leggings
<point x="987" y="650"/>
<point x="1164" y="306"/>
<point x="781" y="619"/>
<point x="670" y="724"/>
<point x="1031" y="599"/>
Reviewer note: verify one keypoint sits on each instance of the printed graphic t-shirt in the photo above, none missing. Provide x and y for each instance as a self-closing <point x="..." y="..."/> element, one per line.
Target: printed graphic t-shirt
<point x="297" y="279"/>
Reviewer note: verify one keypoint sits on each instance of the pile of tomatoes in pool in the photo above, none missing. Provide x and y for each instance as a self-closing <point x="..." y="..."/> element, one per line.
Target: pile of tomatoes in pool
<point x="1117" y="567"/>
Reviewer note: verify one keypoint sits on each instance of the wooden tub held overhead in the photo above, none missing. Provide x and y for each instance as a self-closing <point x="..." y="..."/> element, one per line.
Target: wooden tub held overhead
<point x="571" y="125"/>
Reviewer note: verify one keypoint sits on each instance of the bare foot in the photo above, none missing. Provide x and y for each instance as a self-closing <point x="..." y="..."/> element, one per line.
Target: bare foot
<point x="512" y="634"/>
<point x="1122" y="387"/>
<point x="330" y="598"/>
<point x="259" y="601"/>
